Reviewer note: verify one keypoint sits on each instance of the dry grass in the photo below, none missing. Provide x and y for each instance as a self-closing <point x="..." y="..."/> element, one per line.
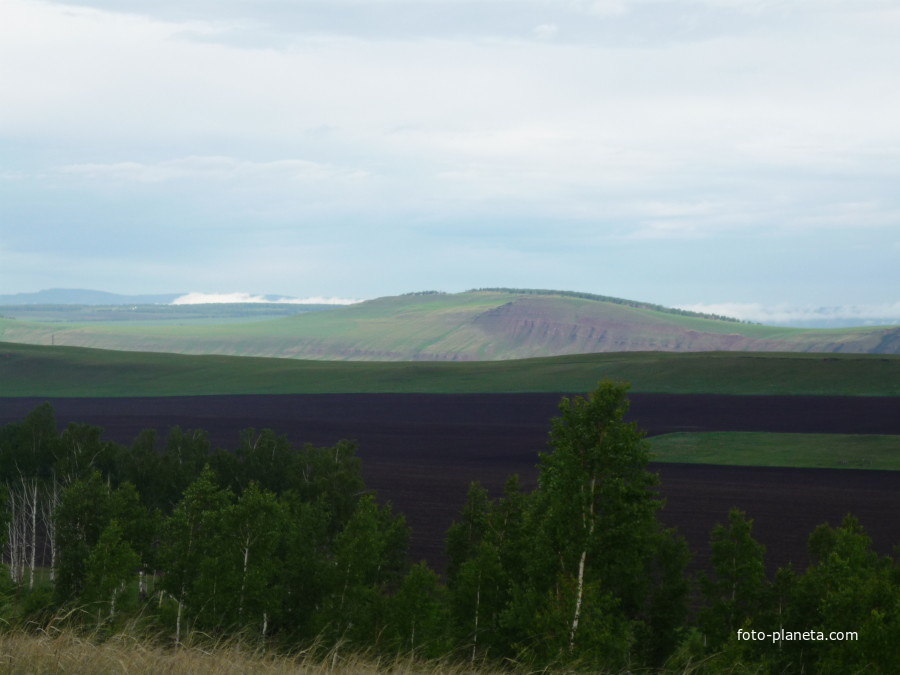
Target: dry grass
<point x="68" y="652"/>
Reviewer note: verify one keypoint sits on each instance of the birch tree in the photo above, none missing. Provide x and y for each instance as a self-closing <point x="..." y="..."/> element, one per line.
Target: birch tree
<point x="238" y="582"/>
<point x="482" y="565"/>
<point x="593" y="523"/>
<point x="737" y="588"/>
<point x="111" y="564"/>
<point x="83" y="513"/>
<point x="187" y="535"/>
<point x="369" y="556"/>
<point x="417" y="614"/>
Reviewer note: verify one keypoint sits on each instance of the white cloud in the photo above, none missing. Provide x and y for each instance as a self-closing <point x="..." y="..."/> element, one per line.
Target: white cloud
<point x="545" y="31"/>
<point x="213" y="168"/>
<point x="606" y="8"/>
<point x="786" y="314"/>
<point x="196" y="298"/>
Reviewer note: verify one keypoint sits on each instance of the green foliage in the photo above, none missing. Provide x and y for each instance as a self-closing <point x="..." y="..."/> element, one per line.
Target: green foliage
<point x="188" y="539"/>
<point x="330" y="475"/>
<point x="83" y="514"/>
<point x="417" y="615"/>
<point x="579" y="571"/>
<point x="29" y="445"/>
<point x="736" y="592"/>
<point x="237" y="583"/>
<point x="306" y="571"/>
<point x="111" y="564"/>
<point x="594" y="519"/>
<point x="486" y="552"/>
<point x="369" y="560"/>
<point x="98" y="528"/>
<point x="849" y="587"/>
<point x="662" y="620"/>
<point x="467" y="533"/>
<point x="283" y="544"/>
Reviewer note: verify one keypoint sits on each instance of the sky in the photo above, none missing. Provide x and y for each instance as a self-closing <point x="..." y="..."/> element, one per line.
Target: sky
<point x="735" y="156"/>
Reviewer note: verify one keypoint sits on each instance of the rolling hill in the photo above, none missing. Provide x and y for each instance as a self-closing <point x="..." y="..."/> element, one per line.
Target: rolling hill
<point x="40" y="371"/>
<point x="482" y="325"/>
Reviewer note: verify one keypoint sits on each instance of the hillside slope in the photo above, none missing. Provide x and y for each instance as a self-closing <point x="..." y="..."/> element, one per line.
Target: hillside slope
<point x="40" y="371"/>
<point x="476" y="325"/>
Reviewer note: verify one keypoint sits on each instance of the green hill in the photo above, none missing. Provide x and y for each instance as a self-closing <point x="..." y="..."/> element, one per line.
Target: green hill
<point x="473" y="326"/>
<point x="29" y="370"/>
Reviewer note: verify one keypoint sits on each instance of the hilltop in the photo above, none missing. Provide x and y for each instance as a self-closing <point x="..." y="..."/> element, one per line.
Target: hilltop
<point x="479" y="325"/>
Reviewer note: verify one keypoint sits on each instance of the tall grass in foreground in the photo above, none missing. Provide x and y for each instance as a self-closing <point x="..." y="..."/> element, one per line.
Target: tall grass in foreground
<point x="72" y="653"/>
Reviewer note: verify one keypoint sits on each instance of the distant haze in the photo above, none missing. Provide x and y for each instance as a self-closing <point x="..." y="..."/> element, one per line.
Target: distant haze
<point x="214" y="298"/>
<point x="805" y="317"/>
<point x="775" y="315"/>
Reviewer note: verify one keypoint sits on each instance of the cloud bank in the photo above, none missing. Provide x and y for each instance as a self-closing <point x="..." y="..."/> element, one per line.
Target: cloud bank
<point x="804" y="316"/>
<point x="195" y="298"/>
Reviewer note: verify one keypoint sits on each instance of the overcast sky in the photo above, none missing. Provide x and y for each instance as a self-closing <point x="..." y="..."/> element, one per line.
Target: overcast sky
<point x="714" y="153"/>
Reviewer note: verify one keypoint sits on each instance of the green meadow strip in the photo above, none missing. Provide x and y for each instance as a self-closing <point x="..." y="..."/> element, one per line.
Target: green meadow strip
<point x="30" y="370"/>
<point x="834" y="451"/>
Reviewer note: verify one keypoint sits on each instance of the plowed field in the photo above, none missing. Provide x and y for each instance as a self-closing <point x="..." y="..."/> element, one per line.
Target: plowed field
<point x="421" y="451"/>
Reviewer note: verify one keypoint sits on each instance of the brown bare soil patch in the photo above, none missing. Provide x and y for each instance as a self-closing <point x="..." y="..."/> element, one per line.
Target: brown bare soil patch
<point x="421" y="451"/>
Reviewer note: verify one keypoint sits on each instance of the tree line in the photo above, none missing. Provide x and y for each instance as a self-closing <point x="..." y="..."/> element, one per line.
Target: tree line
<point x="285" y="543"/>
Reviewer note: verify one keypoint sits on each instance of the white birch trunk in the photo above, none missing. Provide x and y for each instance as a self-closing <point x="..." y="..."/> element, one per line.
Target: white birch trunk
<point x="244" y="577"/>
<point x="578" y="599"/>
<point x="477" y="609"/>
<point x="178" y="621"/>
<point x="11" y="542"/>
<point x="48" y="511"/>
<point x="579" y="596"/>
<point x="33" y="508"/>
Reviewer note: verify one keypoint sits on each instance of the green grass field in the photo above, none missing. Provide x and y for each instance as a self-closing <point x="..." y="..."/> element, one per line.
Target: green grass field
<point x="30" y="370"/>
<point x="835" y="451"/>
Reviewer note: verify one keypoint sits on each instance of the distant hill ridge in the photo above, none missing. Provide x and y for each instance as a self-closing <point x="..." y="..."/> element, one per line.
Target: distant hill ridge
<point x="480" y="325"/>
<point x="82" y="296"/>
<point x="615" y="301"/>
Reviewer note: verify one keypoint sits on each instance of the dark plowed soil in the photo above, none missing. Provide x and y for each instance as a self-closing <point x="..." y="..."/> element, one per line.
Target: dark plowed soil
<point x="421" y="451"/>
